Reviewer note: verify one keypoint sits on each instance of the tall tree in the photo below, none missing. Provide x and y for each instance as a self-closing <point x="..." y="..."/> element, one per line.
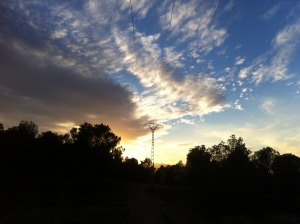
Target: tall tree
<point x="95" y="136"/>
<point x="219" y="152"/>
<point x="263" y="159"/>
<point x="28" y="129"/>
<point x="286" y="166"/>
<point x="198" y="164"/>
<point x="237" y="165"/>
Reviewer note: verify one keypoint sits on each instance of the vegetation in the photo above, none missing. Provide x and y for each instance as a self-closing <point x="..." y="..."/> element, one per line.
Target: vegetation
<point x="85" y="168"/>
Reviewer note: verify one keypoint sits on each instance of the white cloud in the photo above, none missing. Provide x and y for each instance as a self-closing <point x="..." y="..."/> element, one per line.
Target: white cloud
<point x="172" y="57"/>
<point x="227" y="69"/>
<point x="190" y="23"/>
<point x="271" y="13"/>
<point x="111" y="12"/>
<point x="229" y="5"/>
<point x="187" y="121"/>
<point x="102" y="11"/>
<point x="237" y="105"/>
<point x="59" y="34"/>
<point x="273" y="65"/>
<point x="244" y="73"/>
<point x="171" y="96"/>
<point x="140" y="6"/>
<point x="288" y="35"/>
<point x="239" y="60"/>
<point x="268" y="105"/>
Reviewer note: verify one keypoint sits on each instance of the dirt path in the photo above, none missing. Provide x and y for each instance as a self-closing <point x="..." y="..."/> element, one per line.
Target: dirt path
<point x="145" y="205"/>
<point x="150" y="204"/>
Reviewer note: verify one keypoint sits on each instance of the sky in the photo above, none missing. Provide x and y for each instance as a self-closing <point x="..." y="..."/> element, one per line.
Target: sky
<point x="204" y="70"/>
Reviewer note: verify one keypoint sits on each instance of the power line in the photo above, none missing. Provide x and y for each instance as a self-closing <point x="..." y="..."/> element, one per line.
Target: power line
<point x="132" y="24"/>
<point x="208" y="28"/>
<point x="169" y="30"/>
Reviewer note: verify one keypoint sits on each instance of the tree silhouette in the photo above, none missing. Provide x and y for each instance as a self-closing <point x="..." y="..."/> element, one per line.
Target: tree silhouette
<point x="24" y="133"/>
<point x="28" y="129"/>
<point x="225" y="179"/>
<point x="263" y="159"/>
<point x="97" y="136"/>
<point x="50" y="138"/>
<point x="286" y="166"/>
<point x="147" y="171"/>
<point x="219" y="152"/>
<point x="198" y="165"/>
<point x="238" y="156"/>
<point x="146" y="163"/>
<point x="171" y="175"/>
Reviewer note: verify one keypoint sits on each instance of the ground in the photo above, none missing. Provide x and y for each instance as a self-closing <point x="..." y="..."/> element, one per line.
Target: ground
<point x="109" y="202"/>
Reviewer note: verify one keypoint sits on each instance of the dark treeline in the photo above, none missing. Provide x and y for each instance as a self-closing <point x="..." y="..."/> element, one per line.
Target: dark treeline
<point x="225" y="179"/>
<point x="90" y="152"/>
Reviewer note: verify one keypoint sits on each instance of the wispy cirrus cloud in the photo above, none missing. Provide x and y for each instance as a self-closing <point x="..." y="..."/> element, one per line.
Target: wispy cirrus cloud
<point x="273" y="65"/>
<point x="267" y="16"/>
<point x="268" y="105"/>
<point x="189" y="24"/>
<point x="239" y="60"/>
<point x="173" y="58"/>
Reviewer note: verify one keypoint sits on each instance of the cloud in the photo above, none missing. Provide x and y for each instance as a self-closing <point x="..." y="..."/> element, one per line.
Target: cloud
<point x="289" y="35"/>
<point x="239" y="60"/>
<point x="56" y="98"/>
<point x="268" y="105"/>
<point x="267" y="16"/>
<point x="273" y="65"/>
<point x="244" y="73"/>
<point x="237" y="105"/>
<point x="111" y="12"/>
<point x="101" y="11"/>
<point x="190" y="21"/>
<point x="59" y="34"/>
<point x="169" y="95"/>
<point x="141" y="7"/>
<point x="173" y="58"/>
<point x="79" y="52"/>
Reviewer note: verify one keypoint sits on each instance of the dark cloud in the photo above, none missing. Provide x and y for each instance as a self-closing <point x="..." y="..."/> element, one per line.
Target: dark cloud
<point x="32" y="87"/>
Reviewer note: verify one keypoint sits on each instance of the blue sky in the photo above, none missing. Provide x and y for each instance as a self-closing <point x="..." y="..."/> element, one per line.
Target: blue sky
<point x="66" y="62"/>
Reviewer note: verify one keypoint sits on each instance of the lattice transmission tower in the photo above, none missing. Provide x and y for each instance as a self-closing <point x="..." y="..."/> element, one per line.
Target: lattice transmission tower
<point x="153" y="127"/>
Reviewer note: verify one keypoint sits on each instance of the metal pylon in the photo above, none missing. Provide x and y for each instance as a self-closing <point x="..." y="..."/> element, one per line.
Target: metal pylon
<point x="152" y="148"/>
<point x="153" y="127"/>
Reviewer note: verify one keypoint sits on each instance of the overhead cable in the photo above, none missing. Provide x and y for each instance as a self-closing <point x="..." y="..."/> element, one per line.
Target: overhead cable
<point x="132" y="23"/>
<point x="208" y="28"/>
<point x="169" y="30"/>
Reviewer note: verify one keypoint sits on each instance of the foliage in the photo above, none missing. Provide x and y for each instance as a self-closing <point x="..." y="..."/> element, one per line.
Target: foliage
<point x="97" y="136"/>
<point x="147" y="163"/>
<point x="286" y="165"/>
<point x="264" y="158"/>
<point x="224" y="179"/>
